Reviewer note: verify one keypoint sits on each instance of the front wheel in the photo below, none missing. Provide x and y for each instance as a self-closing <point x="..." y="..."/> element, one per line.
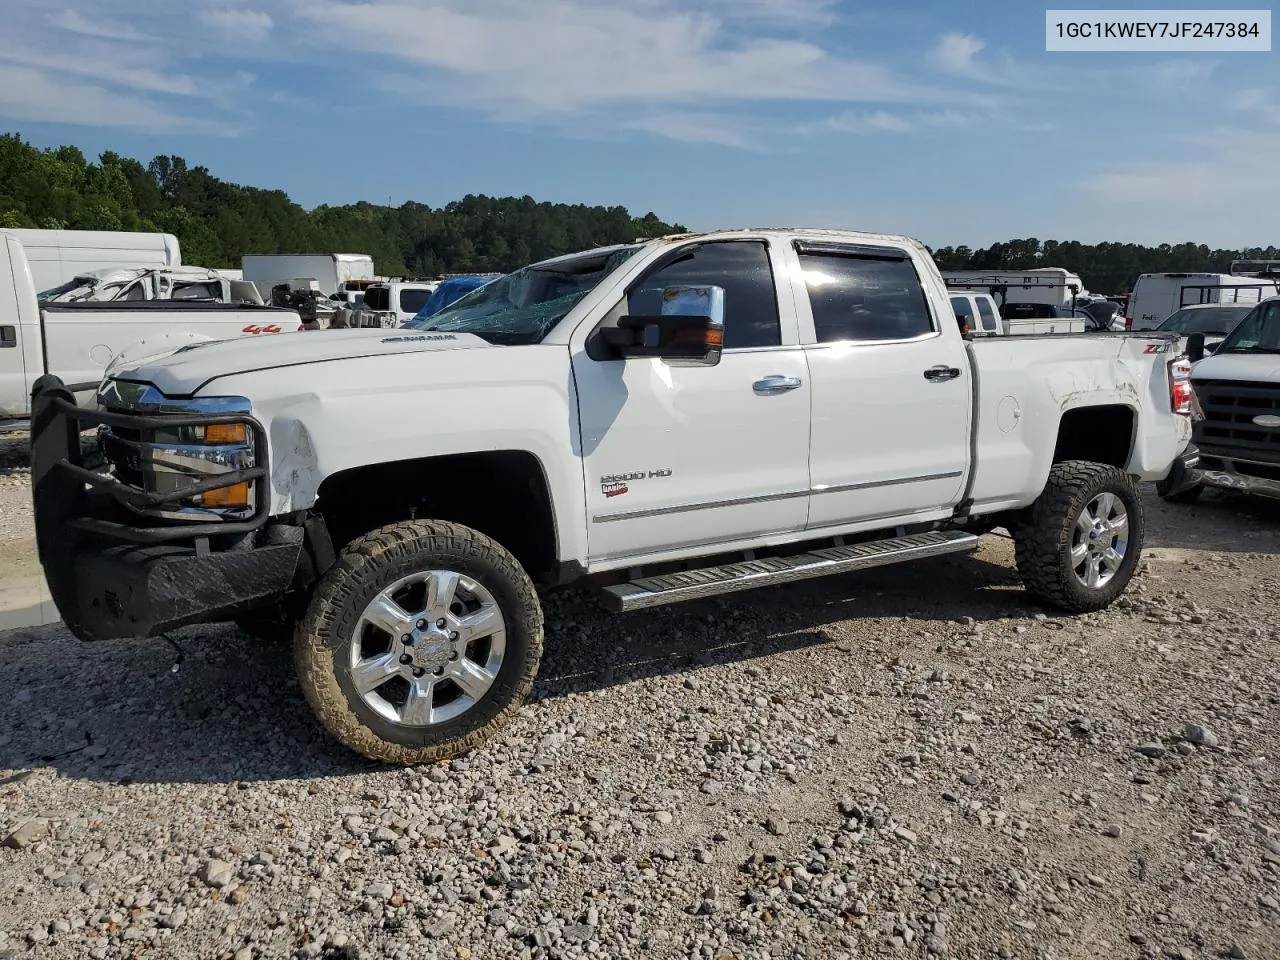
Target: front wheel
<point x="420" y="643"/>
<point x="1080" y="545"/>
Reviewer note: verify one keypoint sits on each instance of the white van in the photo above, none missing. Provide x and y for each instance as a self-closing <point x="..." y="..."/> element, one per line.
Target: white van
<point x="57" y="256"/>
<point x="1157" y="296"/>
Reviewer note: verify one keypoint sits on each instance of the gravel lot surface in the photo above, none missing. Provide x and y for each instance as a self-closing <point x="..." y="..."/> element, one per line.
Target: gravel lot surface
<point x="15" y="489"/>
<point x="911" y="762"/>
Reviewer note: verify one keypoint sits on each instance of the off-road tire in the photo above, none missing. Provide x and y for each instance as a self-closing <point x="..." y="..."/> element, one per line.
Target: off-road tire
<point x="1043" y="538"/>
<point x="365" y="567"/>
<point x="1189" y="495"/>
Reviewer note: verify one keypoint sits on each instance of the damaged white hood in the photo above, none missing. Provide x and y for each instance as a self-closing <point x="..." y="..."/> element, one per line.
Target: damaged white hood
<point x="189" y="367"/>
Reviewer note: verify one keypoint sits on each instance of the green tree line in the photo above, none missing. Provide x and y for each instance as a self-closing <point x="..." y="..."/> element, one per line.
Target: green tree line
<point x="217" y="222"/>
<point x="1106" y="268"/>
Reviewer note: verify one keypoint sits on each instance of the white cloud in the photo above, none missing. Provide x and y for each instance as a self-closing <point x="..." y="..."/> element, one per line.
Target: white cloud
<point x="955" y="55"/>
<point x="571" y="55"/>
<point x="691" y="126"/>
<point x="1214" y="194"/>
<point x="245" y="25"/>
<point x="33" y="95"/>
<point x="876" y="121"/>
<point x="106" y="66"/>
<point x="76" y="22"/>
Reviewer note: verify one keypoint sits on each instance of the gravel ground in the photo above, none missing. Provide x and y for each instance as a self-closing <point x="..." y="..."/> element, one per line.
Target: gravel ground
<point x="15" y="488"/>
<point x="911" y="762"/>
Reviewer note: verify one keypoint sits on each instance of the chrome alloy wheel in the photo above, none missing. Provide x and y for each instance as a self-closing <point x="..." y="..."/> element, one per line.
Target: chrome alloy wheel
<point x="427" y="648"/>
<point x="1100" y="540"/>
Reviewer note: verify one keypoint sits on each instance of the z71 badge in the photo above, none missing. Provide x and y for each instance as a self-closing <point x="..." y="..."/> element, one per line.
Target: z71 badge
<point x="618" y="484"/>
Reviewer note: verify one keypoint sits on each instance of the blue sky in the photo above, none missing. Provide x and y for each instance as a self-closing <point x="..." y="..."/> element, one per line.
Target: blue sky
<point x="945" y="121"/>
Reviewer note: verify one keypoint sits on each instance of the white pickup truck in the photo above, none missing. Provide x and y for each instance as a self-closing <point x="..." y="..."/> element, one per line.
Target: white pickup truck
<point x="663" y="421"/>
<point x="1236" y="443"/>
<point x="77" y="341"/>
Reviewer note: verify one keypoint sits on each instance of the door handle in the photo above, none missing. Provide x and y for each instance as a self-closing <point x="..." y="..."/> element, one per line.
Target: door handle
<point x="772" y="385"/>
<point x="941" y="374"/>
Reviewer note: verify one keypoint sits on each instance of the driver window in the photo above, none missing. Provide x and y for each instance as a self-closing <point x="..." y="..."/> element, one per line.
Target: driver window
<point x="742" y="268"/>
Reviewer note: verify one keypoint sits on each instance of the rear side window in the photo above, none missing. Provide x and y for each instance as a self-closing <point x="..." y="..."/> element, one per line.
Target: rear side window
<point x="988" y="315"/>
<point x="742" y="268"/>
<point x="963" y="310"/>
<point x="412" y="300"/>
<point x="864" y="298"/>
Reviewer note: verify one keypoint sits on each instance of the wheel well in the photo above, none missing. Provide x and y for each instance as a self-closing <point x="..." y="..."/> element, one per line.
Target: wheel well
<point x="1103" y="434"/>
<point x="503" y="494"/>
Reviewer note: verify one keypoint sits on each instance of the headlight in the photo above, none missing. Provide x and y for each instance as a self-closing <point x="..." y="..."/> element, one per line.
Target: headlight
<point x="166" y="460"/>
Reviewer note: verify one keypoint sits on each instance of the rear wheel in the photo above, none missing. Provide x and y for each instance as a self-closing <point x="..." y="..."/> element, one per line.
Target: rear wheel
<point x="1080" y="545"/>
<point x="420" y="643"/>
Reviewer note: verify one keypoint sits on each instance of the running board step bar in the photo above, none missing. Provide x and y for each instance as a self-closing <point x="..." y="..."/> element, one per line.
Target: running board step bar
<point x="711" y="581"/>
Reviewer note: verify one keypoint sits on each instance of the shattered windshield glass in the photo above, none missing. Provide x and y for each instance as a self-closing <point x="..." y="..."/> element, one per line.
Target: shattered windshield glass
<point x="81" y="285"/>
<point x="523" y="307"/>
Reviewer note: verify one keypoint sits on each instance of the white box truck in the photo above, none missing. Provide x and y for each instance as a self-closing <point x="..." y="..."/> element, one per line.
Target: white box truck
<point x="330" y="270"/>
<point x="56" y="256"/>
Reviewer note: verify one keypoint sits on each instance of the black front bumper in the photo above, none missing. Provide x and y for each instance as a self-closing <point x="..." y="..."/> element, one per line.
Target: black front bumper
<point x="112" y="574"/>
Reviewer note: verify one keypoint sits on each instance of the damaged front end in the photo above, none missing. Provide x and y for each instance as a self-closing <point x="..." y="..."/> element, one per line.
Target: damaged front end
<point x="163" y="522"/>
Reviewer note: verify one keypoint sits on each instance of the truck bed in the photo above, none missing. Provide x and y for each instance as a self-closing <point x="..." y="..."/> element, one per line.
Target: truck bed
<point x="1024" y="391"/>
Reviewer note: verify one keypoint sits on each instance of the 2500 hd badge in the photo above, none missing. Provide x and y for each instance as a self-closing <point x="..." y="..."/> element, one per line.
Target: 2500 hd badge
<point x="617" y="484"/>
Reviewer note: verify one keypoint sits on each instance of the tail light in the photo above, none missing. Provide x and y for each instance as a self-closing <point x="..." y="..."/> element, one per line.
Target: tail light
<point x="1182" y="395"/>
<point x="1128" y="323"/>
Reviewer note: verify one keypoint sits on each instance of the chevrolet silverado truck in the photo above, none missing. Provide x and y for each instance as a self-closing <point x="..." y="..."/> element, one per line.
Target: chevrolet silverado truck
<point x="1236" y="439"/>
<point x="658" y="421"/>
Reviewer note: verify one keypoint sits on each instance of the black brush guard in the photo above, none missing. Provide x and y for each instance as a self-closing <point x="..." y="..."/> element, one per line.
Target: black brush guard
<point x="112" y="578"/>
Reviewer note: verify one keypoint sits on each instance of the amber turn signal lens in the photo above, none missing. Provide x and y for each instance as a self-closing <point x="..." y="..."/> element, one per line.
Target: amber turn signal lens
<point x="226" y="433"/>
<point x="236" y="495"/>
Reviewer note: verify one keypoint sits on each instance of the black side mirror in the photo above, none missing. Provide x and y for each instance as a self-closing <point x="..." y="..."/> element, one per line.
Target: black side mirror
<point x="1195" y="347"/>
<point x="691" y="327"/>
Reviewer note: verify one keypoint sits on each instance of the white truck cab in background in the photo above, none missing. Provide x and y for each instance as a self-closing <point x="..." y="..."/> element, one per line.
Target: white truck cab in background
<point x="394" y="302"/>
<point x="56" y="256"/>
<point x="977" y="313"/>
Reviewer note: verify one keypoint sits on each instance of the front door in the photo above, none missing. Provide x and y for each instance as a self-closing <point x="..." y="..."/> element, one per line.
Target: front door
<point x="679" y="456"/>
<point x="891" y="389"/>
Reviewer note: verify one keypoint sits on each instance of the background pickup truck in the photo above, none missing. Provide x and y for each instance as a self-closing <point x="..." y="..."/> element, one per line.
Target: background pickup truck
<point x="76" y="341"/>
<point x="1236" y="444"/>
<point x="660" y="421"/>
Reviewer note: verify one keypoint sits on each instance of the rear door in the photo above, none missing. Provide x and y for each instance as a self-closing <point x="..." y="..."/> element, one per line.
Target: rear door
<point x="892" y="388"/>
<point x="682" y="457"/>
